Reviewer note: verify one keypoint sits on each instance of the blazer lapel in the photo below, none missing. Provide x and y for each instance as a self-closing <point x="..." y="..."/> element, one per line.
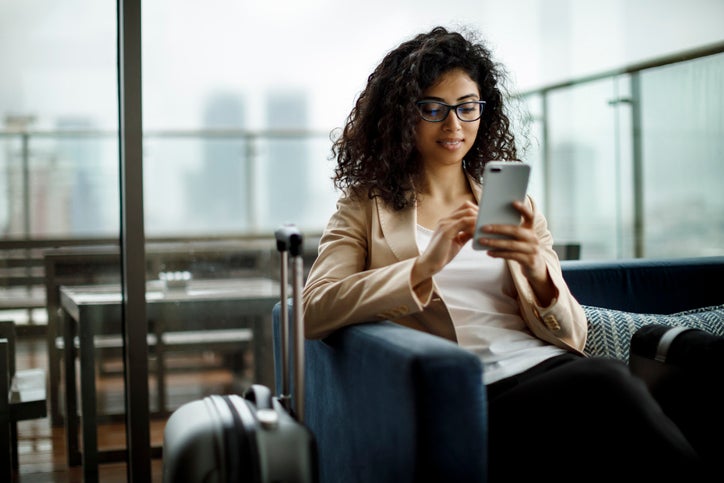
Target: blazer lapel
<point x="398" y="230"/>
<point x="398" y="227"/>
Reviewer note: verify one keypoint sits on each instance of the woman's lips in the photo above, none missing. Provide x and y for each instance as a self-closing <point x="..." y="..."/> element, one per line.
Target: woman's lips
<point x="451" y="144"/>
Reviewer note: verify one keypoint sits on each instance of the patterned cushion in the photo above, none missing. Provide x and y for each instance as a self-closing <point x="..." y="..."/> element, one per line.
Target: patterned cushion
<point x="610" y="331"/>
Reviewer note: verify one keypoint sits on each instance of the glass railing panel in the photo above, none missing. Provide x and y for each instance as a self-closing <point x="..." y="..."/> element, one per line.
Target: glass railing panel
<point x="196" y="184"/>
<point x="530" y="139"/>
<point x="582" y="177"/>
<point x="294" y="183"/>
<point x="12" y="185"/>
<point x="682" y="110"/>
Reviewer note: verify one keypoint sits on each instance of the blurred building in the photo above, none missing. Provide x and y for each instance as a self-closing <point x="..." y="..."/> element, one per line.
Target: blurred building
<point x="288" y="159"/>
<point x="217" y="198"/>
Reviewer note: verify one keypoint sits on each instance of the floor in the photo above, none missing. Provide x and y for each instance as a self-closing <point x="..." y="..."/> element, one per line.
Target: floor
<point x="41" y="456"/>
<point x="41" y="447"/>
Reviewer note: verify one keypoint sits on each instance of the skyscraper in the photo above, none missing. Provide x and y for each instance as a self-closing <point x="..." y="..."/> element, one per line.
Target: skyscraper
<point x="217" y="191"/>
<point x="288" y="156"/>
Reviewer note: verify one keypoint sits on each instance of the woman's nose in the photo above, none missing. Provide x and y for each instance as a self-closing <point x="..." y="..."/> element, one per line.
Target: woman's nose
<point x="451" y="122"/>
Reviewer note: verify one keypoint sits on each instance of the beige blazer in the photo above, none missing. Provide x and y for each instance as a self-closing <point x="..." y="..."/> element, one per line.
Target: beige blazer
<point x="362" y="274"/>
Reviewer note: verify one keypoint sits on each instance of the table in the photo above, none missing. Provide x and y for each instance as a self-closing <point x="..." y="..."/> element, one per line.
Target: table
<point x="86" y="311"/>
<point x="101" y="264"/>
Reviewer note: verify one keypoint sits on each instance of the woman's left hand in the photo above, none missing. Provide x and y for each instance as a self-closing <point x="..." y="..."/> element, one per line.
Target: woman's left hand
<point x="523" y="246"/>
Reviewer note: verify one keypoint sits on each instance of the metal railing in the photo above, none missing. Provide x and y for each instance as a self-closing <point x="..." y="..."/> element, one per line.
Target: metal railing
<point x="19" y="154"/>
<point x="19" y="149"/>
<point x="630" y="75"/>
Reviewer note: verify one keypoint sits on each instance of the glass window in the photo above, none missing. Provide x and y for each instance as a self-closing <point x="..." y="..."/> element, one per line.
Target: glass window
<point x="59" y="190"/>
<point x="583" y="165"/>
<point x="682" y="117"/>
<point x="239" y="99"/>
<point x="530" y="139"/>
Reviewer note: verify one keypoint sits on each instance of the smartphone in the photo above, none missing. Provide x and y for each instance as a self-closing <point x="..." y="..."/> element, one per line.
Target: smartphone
<point x="503" y="183"/>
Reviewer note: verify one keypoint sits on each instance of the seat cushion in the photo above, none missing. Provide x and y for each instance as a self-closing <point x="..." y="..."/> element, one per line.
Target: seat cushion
<point x="610" y="331"/>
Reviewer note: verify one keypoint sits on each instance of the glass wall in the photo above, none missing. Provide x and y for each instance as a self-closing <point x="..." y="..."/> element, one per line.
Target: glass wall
<point x="239" y="102"/>
<point x="60" y="201"/>
<point x="682" y="119"/>
<point x="234" y="182"/>
<point x="631" y="162"/>
<point x="237" y="142"/>
<point x="583" y="169"/>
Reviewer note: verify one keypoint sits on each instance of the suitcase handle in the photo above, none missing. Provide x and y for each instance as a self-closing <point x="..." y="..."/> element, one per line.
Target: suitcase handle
<point x="260" y="395"/>
<point x="289" y="242"/>
<point x="662" y="350"/>
<point x="289" y="238"/>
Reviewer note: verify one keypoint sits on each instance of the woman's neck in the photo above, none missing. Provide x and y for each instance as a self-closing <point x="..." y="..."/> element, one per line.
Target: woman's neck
<point x="445" y="185"/>
<point x="442" y="192"/>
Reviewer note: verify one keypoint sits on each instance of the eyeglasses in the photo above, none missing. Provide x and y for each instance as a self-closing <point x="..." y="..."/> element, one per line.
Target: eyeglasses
<point x="435" y="111"/>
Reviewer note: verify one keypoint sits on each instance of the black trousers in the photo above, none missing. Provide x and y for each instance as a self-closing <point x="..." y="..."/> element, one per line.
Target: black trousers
<point x="572" y="418"/>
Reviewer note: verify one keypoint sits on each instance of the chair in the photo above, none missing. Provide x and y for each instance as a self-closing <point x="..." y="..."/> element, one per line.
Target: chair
<point x="392" y="404"/>
<point x="393" y="422"/>
<point x="24" y="398"/>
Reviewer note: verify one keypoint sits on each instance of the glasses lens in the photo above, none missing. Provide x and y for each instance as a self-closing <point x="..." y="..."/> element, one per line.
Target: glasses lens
<point x="469" y="111"/>
<point x="433" y="111"/>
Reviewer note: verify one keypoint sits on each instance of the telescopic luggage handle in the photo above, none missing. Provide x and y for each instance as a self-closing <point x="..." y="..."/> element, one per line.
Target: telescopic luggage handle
<point x="290" y="239"/>
<point x="289" y="242"/>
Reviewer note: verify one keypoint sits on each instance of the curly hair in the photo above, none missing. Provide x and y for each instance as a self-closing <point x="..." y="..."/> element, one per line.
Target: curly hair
<point x="376" y="153"/>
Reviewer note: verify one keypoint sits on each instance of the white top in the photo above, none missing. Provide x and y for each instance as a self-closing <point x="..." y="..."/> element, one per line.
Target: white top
<point x="479" y="293"/>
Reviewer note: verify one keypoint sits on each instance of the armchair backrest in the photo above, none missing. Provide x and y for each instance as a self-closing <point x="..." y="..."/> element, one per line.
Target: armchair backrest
<point x="654" y="286"/>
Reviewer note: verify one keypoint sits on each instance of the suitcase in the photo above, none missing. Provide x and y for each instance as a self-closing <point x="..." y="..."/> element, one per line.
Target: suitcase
<point x="257" y="437"/>
<point x="684" y="370"/>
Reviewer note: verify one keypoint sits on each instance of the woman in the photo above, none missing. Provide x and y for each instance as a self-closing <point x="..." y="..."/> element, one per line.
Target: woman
<point x="398" y="247"/>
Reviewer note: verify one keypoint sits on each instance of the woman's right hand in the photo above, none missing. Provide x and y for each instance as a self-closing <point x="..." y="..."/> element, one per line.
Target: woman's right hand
<point x="451" y="233"/>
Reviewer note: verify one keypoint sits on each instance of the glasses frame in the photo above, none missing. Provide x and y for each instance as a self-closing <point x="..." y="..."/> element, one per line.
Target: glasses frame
<point x="449" y="108"/>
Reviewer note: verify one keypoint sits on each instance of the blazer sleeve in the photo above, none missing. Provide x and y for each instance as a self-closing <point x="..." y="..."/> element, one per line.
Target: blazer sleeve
<point x="563" y="322"/>
<point x="342" y="288"/>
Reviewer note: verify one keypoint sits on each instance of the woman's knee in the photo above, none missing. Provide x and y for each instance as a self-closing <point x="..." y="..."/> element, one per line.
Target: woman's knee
<point x="604" y="380"/>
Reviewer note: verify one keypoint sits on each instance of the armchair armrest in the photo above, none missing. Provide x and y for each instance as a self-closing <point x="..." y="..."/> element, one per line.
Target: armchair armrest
<point x="389" y="403"/>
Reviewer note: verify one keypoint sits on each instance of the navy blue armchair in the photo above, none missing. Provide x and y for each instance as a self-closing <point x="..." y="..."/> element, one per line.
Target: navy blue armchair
<point x="391" y="404"/>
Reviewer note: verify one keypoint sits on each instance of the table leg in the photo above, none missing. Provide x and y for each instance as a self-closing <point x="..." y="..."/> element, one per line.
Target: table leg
<point x="88" y="403"/>
<point x="71" y="398"/>
<point x="55" y="356"/>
